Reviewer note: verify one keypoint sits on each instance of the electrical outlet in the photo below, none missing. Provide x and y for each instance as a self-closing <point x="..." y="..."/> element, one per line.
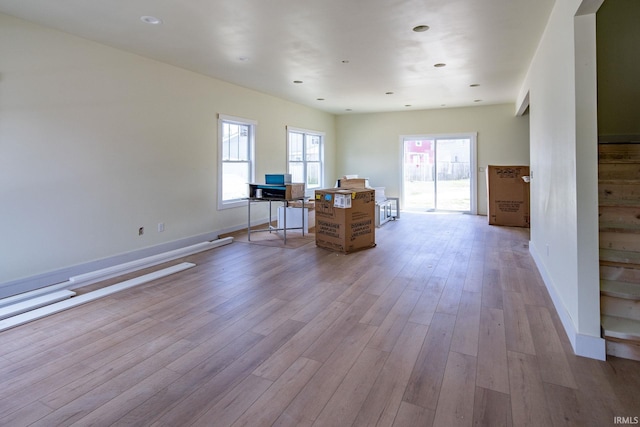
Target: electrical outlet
<point x="160" y="227"/>
<point x="140" y="231"/>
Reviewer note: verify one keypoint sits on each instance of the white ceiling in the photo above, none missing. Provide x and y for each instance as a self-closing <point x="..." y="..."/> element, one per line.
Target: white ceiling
<point x="348" y="52"/>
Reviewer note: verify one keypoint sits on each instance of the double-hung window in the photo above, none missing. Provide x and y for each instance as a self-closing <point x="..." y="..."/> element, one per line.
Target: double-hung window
<point x="305" y="152"/>
<point x="236" y="138"/>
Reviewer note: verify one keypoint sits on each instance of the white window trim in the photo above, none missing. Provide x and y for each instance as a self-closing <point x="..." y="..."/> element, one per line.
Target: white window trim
<point x="309" y="192"/>
<point x="240" y="120"/>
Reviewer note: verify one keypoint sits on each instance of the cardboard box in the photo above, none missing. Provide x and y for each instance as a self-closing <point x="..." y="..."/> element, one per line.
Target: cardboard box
<point x="277" y="192"/>
<point x="353" y="183"/>
<point x="345" y="219"/>
<point x="508" y="196"/>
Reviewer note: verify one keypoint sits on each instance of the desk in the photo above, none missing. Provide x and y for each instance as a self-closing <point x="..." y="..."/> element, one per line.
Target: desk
<point x="270" y="227"/>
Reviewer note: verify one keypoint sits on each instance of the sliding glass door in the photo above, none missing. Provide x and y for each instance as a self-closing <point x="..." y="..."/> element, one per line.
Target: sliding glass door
<point x="439" y="173"/>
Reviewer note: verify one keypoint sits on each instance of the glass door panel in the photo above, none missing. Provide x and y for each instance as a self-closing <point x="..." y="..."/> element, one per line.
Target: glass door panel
<point x="453" y="179"/>
<point x="419" y="167"/>
<point x="437" y="174"/>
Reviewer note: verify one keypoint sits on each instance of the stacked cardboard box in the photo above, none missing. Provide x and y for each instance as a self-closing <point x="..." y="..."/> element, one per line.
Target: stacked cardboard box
<point x="352" y="183"/>
<point x="277" y="191"/>
<point x="508" y="195"/>
<point x="345" y="219"/>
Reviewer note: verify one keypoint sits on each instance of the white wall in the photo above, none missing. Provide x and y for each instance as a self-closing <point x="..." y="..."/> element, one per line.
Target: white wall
<point x="369" y="144"/>
<point x="96" y="142"/>
<point x="564" y="223"/>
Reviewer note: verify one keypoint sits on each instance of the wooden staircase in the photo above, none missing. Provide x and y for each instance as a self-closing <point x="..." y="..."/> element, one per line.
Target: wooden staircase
<point x="619" y="200"/>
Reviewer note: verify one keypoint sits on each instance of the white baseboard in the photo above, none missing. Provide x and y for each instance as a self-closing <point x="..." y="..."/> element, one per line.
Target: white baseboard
<point x="583" y="345"/>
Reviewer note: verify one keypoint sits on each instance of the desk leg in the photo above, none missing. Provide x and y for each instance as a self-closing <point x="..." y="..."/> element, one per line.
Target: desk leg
<point x="249" y="220"/>
<point x="286" y="205"/>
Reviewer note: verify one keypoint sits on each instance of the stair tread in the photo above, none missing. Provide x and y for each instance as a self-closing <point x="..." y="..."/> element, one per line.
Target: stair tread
<point x="618" y="203"/>
<point x="619" y="228"/>
<point x="618" y="327"/>
<point x="619" y="181"/>
<point x="625" y="290"/>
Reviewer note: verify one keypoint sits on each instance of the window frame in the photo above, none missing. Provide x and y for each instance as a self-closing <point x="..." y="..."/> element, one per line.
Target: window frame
<point x="252" y="124"/>
<point x="304" y="161"/>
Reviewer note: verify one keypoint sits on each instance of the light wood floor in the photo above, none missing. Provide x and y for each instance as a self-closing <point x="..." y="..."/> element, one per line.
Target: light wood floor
<point x="446" y="322"/>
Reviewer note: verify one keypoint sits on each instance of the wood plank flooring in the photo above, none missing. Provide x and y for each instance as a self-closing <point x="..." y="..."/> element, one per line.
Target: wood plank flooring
<point x="445" y="323"/>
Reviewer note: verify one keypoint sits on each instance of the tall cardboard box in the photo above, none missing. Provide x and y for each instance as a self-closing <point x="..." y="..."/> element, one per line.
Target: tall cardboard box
<point x="345" y="219"/>
<point x="508" y="195"/>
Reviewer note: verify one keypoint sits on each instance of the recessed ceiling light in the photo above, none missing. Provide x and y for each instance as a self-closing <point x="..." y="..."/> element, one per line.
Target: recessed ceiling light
<point x="388" y="93"/>
<point x="407" y="105"/>
<point x="297" y="81"/>
<point x="477" y="100"/>
<point x="151" y="20"/>
<point x="439" y="65"/>
<point x="420" y="28"/>
<point x="319" y="99"/>
<point x="474" y="85"/>
<point x="348" y="109"/>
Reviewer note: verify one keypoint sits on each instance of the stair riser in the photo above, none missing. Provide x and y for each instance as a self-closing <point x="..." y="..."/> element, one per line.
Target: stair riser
<point x="620" y="241"/>
<point x="612" y="306"/>
<point x="618" y="153"/>
<point x="619" y="217"/>
<point x="611" y="171"/>
<point x="619" y="195"/>
<point x="622" y="274"/>
<point x="623" y="349"/>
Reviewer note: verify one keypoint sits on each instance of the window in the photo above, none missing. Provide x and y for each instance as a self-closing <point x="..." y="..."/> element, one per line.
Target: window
<point x="305" y="151"/>
<point x="236" y="139"/>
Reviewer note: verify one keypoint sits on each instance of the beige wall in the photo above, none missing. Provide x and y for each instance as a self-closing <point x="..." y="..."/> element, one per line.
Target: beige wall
<point x="96" y="142"/>
<point x="369" y="144"/>
<point x="618" y="39"/>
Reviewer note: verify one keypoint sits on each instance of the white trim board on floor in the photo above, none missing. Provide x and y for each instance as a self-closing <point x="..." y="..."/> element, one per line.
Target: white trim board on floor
<point x="105" y="273"/>
<point x="36" y="282"/>
<point x="90" y="296"/>
<point x="34" y="303"/>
